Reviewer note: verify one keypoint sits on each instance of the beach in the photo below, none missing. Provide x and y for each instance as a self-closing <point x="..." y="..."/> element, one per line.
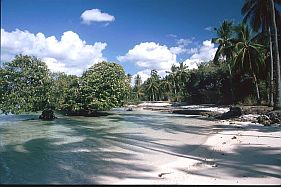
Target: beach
<point x="234" y="152"/>
<point x="139" y="147"/>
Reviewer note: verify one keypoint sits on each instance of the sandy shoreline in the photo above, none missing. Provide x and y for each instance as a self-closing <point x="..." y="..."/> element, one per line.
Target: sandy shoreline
<point x="240" y="153"/>
<point x="234" y="153"/>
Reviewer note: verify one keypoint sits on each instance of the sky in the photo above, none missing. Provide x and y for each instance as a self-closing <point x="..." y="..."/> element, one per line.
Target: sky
<point x="141" y="35"/>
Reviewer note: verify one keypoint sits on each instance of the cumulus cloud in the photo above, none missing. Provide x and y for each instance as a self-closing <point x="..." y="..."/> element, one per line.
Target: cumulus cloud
<point x="95" y="15"/>
<point x="182" y="46"/>
<point x="70" y="54"/>
<point x="203" y="54"/>
<point x="150" y="55"/>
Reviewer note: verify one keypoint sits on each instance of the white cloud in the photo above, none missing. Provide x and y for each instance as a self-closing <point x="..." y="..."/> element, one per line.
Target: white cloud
<point x="150" y="55"/>
<point x="204" y="54"/>
<point x="182" y="46"/>
<point x="208" y="28"/>
<point x="184" y="42"/>
<point x="70" y="54"/>
<point x="95" y="15"/>
<point x="145" y="74"/>
<point x="178" y="50"/>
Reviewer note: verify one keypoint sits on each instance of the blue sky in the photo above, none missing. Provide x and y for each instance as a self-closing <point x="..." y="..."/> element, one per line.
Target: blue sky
<point x="138" y="34"/>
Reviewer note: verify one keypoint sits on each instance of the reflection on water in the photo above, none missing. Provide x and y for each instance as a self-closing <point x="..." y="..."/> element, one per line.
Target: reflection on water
<point x="81" y="150"/>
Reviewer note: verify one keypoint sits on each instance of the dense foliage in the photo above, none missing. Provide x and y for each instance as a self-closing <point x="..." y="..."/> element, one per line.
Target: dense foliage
<point x="103" y="86"/>
<point x="27" y="85"/>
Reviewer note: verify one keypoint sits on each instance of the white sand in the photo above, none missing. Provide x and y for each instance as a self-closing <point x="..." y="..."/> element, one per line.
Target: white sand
<point x="212" y="109"/>
<point x="232" y="153"/>
<point x="235" y="153"/>
<point x="154" y="104"/>
<point x="191" y="107"/>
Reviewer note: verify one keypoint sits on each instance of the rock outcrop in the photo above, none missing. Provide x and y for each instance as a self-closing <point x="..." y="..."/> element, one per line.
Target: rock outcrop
<point x="233" y="112"/>
<point x="47" y="114"/>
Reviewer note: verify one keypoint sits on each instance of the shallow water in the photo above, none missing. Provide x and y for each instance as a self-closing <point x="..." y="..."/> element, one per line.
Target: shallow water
<point x="89" y="150"/>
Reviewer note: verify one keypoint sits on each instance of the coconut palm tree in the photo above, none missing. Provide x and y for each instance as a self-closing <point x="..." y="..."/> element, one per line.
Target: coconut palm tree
<point x="277" y="103"/>
<point x="182" y="78"/>
<point x="260" y="15"/>
<point x="138" y="81"/>
<point x="173" y="78"/>
<point x="152" y="85"/>
<point x="137" y="87"/>
<point x="249" y="54"/>
<point x="225" y="49"/>
<point x="182" y="74"/>
<point x="166" y="87"/>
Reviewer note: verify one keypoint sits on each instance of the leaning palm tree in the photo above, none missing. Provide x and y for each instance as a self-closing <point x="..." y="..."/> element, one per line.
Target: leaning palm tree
<point x="225" y="49"/>
<point x="260" y="15"/>
<point x="249" y="54"/>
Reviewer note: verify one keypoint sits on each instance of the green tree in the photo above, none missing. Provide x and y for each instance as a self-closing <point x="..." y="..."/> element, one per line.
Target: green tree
<point x="250" y="55"/>
<point x="138" y="87"/>
<point x="182" y="78"/>
<point x="104" y="86"/>
<point x="152" y="85"/>
<point x="65" y="93"/>
<point x="225" y="48"/>
<point x="25" y="85"/>
<point x="166" y="88"/>
<point x="260" y="14"/>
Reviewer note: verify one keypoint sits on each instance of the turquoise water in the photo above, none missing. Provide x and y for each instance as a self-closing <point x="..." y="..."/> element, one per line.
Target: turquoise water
<point x="83" y="150"/>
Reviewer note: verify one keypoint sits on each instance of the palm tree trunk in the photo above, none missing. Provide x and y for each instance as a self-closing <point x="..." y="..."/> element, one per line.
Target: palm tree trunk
<point x="175" y="90"/>
<point x="257" y="89"/>
<point x="231" y="85"/>
<point x="277" y="97"/>
<point x="271" y="70"/>
<point x="255" y="81"/>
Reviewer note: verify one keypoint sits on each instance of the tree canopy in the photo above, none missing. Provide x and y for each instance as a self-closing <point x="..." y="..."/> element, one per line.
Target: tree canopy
<point x="28" y="86"/>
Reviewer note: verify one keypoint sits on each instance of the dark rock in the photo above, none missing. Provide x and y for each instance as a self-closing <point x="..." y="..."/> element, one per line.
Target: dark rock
<point x="274" y="116"/>
<point x="130" y="109"/>
<point x="232" y="113"/>
<point x="47" y="114"/>
<point x="264" y="119"/>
